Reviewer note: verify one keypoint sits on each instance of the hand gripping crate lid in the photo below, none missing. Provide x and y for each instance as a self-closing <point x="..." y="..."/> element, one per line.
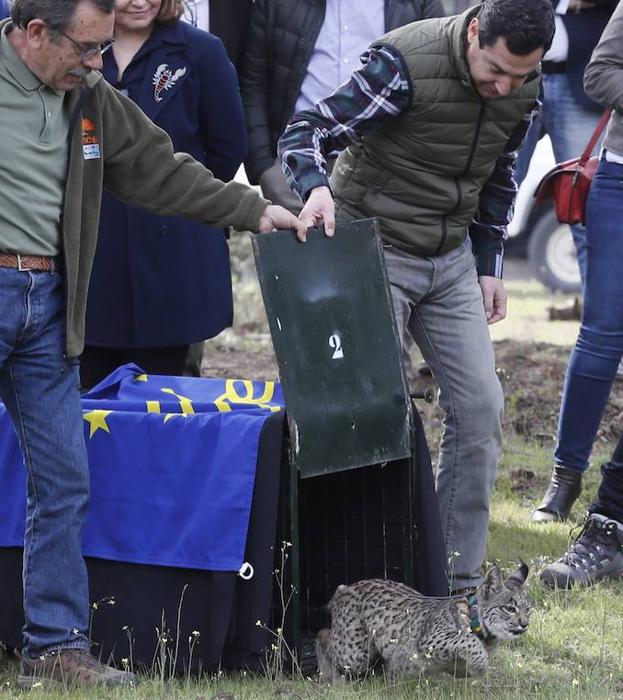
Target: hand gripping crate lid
<point x="330" y="315"/>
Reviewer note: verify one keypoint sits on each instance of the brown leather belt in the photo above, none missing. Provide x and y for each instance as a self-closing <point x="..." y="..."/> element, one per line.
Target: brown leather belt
<point x="42" y="263"/>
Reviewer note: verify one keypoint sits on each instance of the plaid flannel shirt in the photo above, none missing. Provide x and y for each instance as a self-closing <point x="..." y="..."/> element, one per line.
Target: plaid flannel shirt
<point x="376" y="93"/>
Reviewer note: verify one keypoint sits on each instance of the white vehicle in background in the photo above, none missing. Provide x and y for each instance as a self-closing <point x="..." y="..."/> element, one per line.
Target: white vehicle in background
<point x="535" y="232"/>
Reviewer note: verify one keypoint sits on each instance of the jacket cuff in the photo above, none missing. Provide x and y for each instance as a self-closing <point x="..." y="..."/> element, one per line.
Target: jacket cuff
<point x="490" y="263"/>
<point x="251" y="221"/>
<point x="313" y="182"/>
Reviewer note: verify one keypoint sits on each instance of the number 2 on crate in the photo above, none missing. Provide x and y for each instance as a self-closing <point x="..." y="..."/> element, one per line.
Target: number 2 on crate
<point x="335" y="343"/>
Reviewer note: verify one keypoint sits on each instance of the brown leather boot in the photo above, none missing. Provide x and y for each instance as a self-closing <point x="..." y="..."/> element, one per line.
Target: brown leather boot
<point x="70" y="667"/>
<point x="564" y="487"/>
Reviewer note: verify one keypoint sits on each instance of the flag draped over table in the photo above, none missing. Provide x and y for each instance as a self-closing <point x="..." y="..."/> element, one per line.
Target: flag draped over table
<point x="172" y="463"/>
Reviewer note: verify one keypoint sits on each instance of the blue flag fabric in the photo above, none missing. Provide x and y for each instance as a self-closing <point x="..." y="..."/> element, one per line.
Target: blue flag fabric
<point x="172" y="463"/>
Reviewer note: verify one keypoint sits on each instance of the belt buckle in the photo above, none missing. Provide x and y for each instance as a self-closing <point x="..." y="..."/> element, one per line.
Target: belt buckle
<point x="19" y="264"/>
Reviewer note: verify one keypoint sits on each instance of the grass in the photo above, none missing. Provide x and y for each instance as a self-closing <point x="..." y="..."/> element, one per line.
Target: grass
<point x="574" y="646"/>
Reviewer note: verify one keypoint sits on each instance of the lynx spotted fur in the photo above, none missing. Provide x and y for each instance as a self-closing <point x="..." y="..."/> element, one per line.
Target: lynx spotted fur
<point x="377" y="621"/>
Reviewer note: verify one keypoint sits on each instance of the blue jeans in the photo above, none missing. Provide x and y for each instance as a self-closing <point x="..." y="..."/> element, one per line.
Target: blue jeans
<point x="599" y="346"/>
<point x="39" y="387"/>
<point x="569" y="126"/>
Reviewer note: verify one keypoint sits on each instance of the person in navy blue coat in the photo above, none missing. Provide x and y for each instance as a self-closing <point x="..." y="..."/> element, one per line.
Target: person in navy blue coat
<point x="160" y="283"/>
<point x="5" y="10"/>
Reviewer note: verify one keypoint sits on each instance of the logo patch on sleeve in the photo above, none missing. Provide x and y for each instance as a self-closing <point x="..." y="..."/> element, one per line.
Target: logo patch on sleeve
<point x="90" y="141"/>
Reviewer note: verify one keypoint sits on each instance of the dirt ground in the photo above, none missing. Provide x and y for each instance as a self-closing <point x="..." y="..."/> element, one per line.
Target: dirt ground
<point x="532" y="375"/>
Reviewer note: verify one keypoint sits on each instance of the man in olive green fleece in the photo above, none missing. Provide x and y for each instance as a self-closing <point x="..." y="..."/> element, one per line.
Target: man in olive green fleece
<point x="66" y="135"/>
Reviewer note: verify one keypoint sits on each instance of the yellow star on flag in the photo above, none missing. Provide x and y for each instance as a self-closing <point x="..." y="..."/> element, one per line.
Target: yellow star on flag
<point x="97" y="421"/>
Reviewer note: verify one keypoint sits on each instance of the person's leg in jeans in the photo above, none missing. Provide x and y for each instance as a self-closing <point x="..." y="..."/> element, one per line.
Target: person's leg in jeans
<point x="599" y="346"/>
<point x="40" y="389"/>
<point x="440" y="301"/>
<point x="595" y="358"/>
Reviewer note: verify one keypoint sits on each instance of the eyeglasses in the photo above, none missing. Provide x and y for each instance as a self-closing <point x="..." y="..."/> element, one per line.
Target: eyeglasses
<point x="87" y="52"/>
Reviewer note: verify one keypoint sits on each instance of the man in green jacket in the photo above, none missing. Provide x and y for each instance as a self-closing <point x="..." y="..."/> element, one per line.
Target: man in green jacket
<point x="66" y="134"/>
<point x="428" y="130"/>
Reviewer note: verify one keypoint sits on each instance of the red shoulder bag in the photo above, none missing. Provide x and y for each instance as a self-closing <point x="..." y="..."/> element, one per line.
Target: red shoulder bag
<point x="568" y="183"/>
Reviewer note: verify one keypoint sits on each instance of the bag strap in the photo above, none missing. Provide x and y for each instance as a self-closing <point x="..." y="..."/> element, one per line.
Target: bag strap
<point x="601" y="124"/>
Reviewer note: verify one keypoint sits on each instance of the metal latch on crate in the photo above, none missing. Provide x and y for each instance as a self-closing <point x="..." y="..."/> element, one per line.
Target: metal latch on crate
<point x="330" y="315"/>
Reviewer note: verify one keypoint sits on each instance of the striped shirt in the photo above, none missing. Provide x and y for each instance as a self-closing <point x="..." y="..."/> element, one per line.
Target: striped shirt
<point x="376" y="93"/>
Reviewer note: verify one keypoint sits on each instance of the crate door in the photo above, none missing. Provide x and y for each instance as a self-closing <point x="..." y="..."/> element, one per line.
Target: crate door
<point x="330" y="315"/>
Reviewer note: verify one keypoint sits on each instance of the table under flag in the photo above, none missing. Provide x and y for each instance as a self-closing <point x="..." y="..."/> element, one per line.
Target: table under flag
<point x="172" y="463"/>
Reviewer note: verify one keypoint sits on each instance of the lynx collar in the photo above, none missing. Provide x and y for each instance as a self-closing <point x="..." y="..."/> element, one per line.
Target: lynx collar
<point x="477" y="627"/>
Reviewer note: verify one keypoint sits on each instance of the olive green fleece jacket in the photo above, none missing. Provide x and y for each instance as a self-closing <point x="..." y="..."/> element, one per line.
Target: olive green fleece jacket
<point x="138" y="165"/>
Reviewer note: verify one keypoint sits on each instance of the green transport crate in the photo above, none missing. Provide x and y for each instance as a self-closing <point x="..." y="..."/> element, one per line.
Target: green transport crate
<point x="357" y="496"/>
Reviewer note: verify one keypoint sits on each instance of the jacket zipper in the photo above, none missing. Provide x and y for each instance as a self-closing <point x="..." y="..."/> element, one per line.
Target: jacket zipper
<point x="459" y="192"/>
<point x="481" y="118"/>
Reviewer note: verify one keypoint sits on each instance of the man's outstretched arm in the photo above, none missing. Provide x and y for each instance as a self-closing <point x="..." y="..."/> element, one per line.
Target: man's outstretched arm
<point x="376" y="93"/>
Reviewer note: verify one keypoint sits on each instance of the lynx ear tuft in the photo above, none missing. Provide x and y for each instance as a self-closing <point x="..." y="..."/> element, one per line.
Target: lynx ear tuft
<point x="518" y="578"/>
<point x="493" y="581"/>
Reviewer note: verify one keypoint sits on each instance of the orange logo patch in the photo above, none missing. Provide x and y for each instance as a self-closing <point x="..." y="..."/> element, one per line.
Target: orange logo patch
<point x="89" y="137"/>
<point x="90" y="142"/>
<point x="87" y="125"/>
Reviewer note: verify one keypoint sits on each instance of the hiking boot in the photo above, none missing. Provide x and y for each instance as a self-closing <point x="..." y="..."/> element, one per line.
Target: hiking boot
<point x="564" y="487"/>
<point x="70" y="667"/>
<point x="597" y="553"/>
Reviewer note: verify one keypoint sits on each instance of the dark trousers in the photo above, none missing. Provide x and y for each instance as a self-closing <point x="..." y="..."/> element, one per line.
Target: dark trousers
<point x="609" y="499"/>
<point x="97" y="362"/>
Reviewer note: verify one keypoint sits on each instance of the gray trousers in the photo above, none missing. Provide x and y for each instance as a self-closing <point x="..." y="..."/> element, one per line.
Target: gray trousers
<point x="438" y="300"/>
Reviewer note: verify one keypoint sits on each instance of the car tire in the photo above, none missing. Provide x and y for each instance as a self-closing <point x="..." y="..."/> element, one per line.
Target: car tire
<point x="551" y="254"/>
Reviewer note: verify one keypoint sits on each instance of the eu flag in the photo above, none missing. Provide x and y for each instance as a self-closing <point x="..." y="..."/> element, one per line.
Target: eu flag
<point x="172" y="462"/>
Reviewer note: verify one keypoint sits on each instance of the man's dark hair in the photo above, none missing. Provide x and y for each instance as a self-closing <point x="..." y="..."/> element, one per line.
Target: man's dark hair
<point x="57" y="14"/>
<point x="525" y="25"/>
